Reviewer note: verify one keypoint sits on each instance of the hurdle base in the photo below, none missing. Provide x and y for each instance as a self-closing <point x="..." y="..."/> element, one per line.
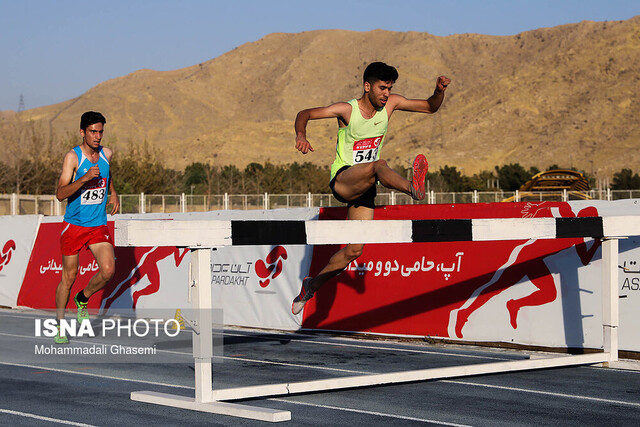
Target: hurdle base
<point x="221" y="408"/>
<point x="285" y="389"/>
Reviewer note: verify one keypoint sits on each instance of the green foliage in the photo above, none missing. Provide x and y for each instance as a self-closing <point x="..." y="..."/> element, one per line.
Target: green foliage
<point x="449" y="179"/>
<point x="138" y="171"/>
<point x="195" y="173"/>
<point x="625" y="180"/>
<point x="255" y="178"/>
<point x="199" y="178"/>
<point x="36" y="176"/>
<point x="30" y="160"/>
<point x="5" y="174"/>
<point x="512" y="176"/>
<point x="483" y="181"/>
<point x="32" y="163"/>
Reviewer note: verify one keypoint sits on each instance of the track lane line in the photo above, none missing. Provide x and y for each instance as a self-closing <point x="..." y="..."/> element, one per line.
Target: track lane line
<point x="42" y="418"/>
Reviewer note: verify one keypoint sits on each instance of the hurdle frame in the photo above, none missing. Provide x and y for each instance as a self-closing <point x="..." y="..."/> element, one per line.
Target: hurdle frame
<point x="202" y="237"/>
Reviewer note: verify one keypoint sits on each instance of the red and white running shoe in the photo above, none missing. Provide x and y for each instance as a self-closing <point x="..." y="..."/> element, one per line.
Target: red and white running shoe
<point x="302" y="298"/>
<point x="420" y="168"/>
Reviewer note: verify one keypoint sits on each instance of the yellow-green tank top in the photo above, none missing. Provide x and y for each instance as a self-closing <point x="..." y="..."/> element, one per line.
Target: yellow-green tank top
<point x="361" y="140"/>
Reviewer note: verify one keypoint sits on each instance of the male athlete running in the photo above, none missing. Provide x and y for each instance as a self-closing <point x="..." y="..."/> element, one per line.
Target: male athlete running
<point x="85" y="181"/>
<point x="362" y="125"/>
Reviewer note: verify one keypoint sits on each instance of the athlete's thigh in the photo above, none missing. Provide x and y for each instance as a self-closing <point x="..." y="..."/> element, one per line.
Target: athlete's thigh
<point x="355" y="181"/>
<point x="103" y="253"/>
<point x="359" y="213"/>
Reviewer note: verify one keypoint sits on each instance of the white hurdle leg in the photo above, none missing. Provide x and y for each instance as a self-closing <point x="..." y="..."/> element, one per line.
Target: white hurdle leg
<point x="203" y="353"/>
<point x="610" y="298"/>
<point x="202" y="336"/>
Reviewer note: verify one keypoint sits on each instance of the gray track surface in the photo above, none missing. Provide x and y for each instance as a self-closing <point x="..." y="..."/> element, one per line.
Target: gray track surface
<point x="99" y="393"/>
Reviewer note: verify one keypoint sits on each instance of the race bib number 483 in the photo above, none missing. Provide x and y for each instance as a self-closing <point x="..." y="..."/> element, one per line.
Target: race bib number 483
<point x="93" y="192"/>
<point x="366" y="150"/>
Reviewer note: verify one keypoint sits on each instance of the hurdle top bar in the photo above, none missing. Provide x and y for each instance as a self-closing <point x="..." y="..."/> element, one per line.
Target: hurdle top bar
<point x="215" y="233"/>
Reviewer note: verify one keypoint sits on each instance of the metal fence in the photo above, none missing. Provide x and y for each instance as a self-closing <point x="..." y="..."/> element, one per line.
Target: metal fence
<point x="21" y="204"/>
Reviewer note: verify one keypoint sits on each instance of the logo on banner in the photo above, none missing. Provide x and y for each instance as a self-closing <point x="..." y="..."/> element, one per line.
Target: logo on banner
<point x="5" y="255"/>
<point x="630" y="283"/>
<point x="272" y="267"/>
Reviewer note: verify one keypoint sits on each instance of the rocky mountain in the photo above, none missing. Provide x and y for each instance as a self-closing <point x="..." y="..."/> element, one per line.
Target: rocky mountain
<point x="566" y="95"/>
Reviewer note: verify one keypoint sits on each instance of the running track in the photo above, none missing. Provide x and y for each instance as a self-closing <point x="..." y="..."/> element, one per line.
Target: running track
<point x="98" y="394"/>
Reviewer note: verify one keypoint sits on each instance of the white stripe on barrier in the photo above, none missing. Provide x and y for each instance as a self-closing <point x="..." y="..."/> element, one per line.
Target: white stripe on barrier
<point x="616" y="226"/>
<point x="179" y="233"/>
<point x="355" y="231"/>
<point x="513" y="229"/>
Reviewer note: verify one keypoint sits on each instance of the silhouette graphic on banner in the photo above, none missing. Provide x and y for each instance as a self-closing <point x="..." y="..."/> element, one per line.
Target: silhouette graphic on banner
<point x="525" y="260"/>
<point x="147" y="266"/>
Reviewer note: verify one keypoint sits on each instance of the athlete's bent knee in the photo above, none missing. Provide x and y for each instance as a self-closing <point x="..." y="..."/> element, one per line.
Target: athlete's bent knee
<point x="68" y="278"/>
<point x="380" y="164"/>
<point x="107" y="272"/>
<point x="353" y="252"/>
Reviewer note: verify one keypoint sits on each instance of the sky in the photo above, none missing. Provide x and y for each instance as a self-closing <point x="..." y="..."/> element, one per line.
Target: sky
<point x="52" y="51"/>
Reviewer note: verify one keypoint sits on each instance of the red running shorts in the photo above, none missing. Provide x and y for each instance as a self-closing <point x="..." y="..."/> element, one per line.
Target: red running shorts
<point x="74" y="237"/>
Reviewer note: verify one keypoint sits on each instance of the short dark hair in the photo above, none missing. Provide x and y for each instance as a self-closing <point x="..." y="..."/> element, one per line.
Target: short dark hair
<point x="91" y="117"/>
<point x="379" y="71"/>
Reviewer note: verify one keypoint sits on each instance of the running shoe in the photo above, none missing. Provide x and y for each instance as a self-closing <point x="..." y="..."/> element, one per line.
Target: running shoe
<point x="302" y="298"/>
<point x="83" y="312"/>
<point x="420" y="168"/>
<point x="60" y="339"/>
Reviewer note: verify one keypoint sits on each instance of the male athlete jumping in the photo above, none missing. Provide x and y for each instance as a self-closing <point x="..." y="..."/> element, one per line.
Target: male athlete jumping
<point x="362" y="126"/>
<point x="84" y="181"/>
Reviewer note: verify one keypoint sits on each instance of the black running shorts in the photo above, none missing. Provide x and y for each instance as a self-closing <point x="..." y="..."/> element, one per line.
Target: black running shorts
<point x="367" y="200"/>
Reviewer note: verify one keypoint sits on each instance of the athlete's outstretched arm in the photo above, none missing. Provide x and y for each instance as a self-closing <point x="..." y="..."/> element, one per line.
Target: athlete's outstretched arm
<point x="340" y="110"/>
<point x="429" y="105"/>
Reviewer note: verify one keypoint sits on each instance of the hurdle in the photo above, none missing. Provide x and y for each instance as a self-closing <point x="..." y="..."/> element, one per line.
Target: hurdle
<point x="202" y="237"/>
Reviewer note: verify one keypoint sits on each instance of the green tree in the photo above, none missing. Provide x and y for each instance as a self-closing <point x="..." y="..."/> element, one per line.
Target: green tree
<point x="5" y="173"/>
<point x="195" y="173"/>
<point x="512" y="176"/>
<point x="275" y="179"/>
<point x="137" y="170"/>
<point x="435" y="182"/>
<point x="482" y="181"/>
<point x="200" y="178"/>
<point x="625" y="180"/>
<point x="452" y="178"/>
<point x="254" y="174"/>
<point x="230" y="179"/>
<point x="31" y="158"/>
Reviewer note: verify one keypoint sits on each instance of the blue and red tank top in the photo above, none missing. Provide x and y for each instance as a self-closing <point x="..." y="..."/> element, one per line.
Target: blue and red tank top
<point x="87" y="207"/>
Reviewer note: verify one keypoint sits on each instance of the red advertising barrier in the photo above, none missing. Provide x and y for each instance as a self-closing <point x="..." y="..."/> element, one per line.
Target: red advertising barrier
<point x="133" y="264"/>
<point x="431" y="289"/>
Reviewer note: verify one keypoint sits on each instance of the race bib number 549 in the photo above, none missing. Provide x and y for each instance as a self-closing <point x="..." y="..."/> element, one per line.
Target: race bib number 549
<point x="366" y="150"/>
<point x="93" y="192"/>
